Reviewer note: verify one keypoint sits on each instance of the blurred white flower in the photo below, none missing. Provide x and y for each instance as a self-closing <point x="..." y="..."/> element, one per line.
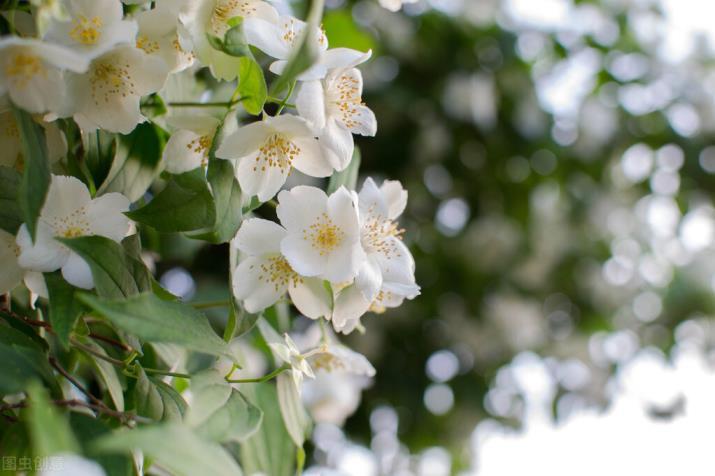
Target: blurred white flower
<point x="189" y="146"/>
<point x="65" y="464"/>
<point x="394" y="5"/>
<point x="290" y="354"/>
<point x="323" y="233"/>
<point x="91" y="27"/>
<point x="69" y="211"/>
<point x="268" y="150"/>
<point x="31" y="72"/>
<point x="264" y="276"/>
<point x="158" y="34"/>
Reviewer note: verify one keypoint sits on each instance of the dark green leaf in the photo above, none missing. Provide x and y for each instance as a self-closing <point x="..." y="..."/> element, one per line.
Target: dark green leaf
<point x="88" y="430"/>
<point x="106" y="372"/>
<point x="36" y="175"/>
<point x="64" y="308"/>
<point x="348" y="177"/>
<point x="23" y="360"/>
<point x="10" y="214"/>
<point x="49" y="430"/>
<point x="28" y="330"/>
<point x="100" y="148"/>
<point x="116" y="273"/>
<point x="155" y="320"/>
<point x="251" y="85"/>
<point x="227" y="200"/>
<point x="185" y="204"/>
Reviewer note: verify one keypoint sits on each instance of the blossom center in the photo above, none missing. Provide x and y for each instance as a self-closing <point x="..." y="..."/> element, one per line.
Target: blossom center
<point x="327" y="362"/>
<point x="346" y="99"/>
<point x="71" y="226"/>
<point x="227" y="9"/>
<point x="111" y="79"/>
<point x="23" y="67"/>
<point x="86" y="30"/>
<point x="276" y="271"/>
<point x="324" y="235"/>
<point x="149" y="46"/>
<point x="278" y="151"/>
<point x="376" y="233"/>
<point x="201" y="145"/>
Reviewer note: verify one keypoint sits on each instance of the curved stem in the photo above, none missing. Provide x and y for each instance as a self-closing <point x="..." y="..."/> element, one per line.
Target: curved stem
<point x="265" y="378"/>
<point x="166" y="372"/>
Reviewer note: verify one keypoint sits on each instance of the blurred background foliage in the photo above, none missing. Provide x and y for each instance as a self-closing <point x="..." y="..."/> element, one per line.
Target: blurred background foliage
<point x="558" y="161"/>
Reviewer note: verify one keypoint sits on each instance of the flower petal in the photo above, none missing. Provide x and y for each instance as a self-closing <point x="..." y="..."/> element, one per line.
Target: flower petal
<point x="65" y="197"/>
<point x="310" y="102"/>
<point x="244" y="142"/>
<point x="258" y="237"/>
<point x="311" y="298"/>
<point x="338" y="140"/>
<point x="298" y="208"/>
<point x="256" y="293"/>
<point x="106" y="217"/>
<point x="45" y="254"/>
<point x="77" y="272"/>
<point x="395" y="196"/>
<point x="267" y="37"/>
<point x="311" y="160"/>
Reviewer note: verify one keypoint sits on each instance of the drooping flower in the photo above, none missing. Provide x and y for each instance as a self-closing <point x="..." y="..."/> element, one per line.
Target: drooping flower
<point x="394" y="5"/>
<point x="190" y="144"/>
<point x="31" y="72"/>
<point x="159" y="35"/>
<point x="69" y="211"/>
<point x="387" y="276"/>
<point x="290" y="354"/>
<point x="323" y="233"/>
<point x="10" y="273"/>
<point x="279" y="37"/>
<point x="93" y="28"/>
<point x="334" y="108"/>
<point x="268" y="150"/>
<point x="264" y="276"/>
<point x="107" y="95"/>
<point x="211" y="17"/>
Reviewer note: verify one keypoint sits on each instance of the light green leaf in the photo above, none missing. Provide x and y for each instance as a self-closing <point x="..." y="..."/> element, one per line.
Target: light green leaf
<point x="36" y="175"/>
<point x="10" y="214"/>
<point x="88" y="430"/>
<point x="244" y="319"/>
<point x="136" y="163"/>
<point x="348" y="177"/>
<point x="185" y="204"/>
<point x="173" y="447"/>
<point x="64" y="308"/>
<point x="227" y="200"/>
<point x="270" y="450"/>
<point x="116" y="274"/>
<point x="155" y="320"/>
<point x="251" y="85"/>
<point x="294" y="416"/>
<point x="106" y="372"/>
<point x="157" y="400"/>
<point x="234" y="41"/>
<point x="49" y="430"/>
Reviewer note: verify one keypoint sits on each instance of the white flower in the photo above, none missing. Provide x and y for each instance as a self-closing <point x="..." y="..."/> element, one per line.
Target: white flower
<point x="93" y="28"/>
<point x="268" y="150"/>
<point x="264" y="276"/>
<point x="335" y="110"/>
<point x="10" y="273"/>
<point x="394" y="5"/>
<point x="290" y="354"/>
<point x="66" y="464"/>
<point x="387" y="276"/>
<point x="323" y="233"/>
<point x="107" y="95"/>
<point x="12" y="147"/>
<point x="189" y="146"/>
<point x="48" y="10"/>
<point x="211" y="17"/>
<point x="31" y="72"/>
<point x="278" y="38"/>
<point x="158" y="35"/>
<point x="69" y="212"/>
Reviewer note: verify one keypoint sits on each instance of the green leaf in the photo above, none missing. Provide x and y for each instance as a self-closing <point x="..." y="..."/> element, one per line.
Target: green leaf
<point x="215" y="42"/>
<point x="227" y="201"/>
<point x="173" y="447"/>
<point x="26" y="329"/>
<point x="23" y="360"/>
<point x="88" y="430"/>
<point x="155" y="320"/>
<point x="245" y="321"/>
<point x="270" y="450"/>
<point x="219" y="412"/>
<point x="136" y="163"/>
<point x="49" y="430"/>
<point x="64" y="308"/>
<point x="157" y="400"/>
<point x="100" y="147"/>
<point x="10" y="214"/>
<point x="36" y="175"/>
<point x="348" y="177"/>
<point x="294" y="416"/>
<point x="343" y="31"/>
<point x="234" y="41"/>
<point x="14" y="441"/>
<point x="251" y="85"/>
<point x="106" y="372"/>
<point x="185" y="204"/>
<point x="116" y="274"/>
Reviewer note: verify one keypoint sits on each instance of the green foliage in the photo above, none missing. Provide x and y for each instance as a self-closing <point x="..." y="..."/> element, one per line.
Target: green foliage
<point x="65" y="309"/>
<point x="252" y="85"/>
<point x="10" y="214"/>
<point x="340" y="27"/>
<point x="348" y="177"/>
<point x="23" y="360"/>
<point x="100" y="147"/>
<point x="226" y="199"/>
<point x="49" y="430"/>
<point x="88" y="430"/>
<point x="157" y="400"/>
<point x="106" y="372"/>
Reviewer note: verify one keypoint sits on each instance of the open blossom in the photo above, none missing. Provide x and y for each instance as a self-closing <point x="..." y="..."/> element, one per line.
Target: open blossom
<point x="211" y="17"/>
<point x="268" y="150"/>
<point x="334" y="108"/>
<point x="386" y="277"/>
<point x="264" y="276"/>
<point x="279" y="37"/>
<point x="69" y="211"/>
<point x="290" y="354"/>
<point x="159" y="35"/>
<point x="107" y="96"/>
<point x="31" y="72"/>
<point x="92" y="28"/>
<point x="190" y="144"/>
<point x="323" y="232"/>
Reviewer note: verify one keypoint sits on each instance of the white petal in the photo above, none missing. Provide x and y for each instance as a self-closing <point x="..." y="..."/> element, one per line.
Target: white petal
<point x="350" y="305"/>
<point x="267" y="37"/>
<point x="106" y="216"/>
<point x="65" y="197"/>
<point x="369" y="278"/>
<point x="45" y="255"/>
<point x="35" y="282"/>
<point x="183" y="152"/>
<point x="77" y="272"/>
<point x="311" y="160"/>
<point x="302" y="256"/>
<point x="256" y="293"/>
<point x="244" y="142"/>
<point x="364" y="122"/>
<point x="338" y="140"/>
<point x="290" y="125"/>
<point x="372" y="201"/>
<point x="297" y="379"/>
<point x="343" y="210"/>
<point x="343" y="58"/>
<point x="395" y="196"/>
<point x="298" y="208"/>
<point x="281" y="351"/>
<point x="311" y="298"/>
<point x="261" y="179"/>
<point x="258" y="237"/>
<point x="343" y="263"/>
<point x="310" y="102"/>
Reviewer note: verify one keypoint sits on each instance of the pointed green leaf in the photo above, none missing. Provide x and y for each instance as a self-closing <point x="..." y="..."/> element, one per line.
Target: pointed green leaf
<point x="106" y="372"/>
<point x="227" y="200"/>
<point x="64" y="308"/>
<point x="156" y="400"/>
<point x="251" y="85"/>
<point x="23" y="360"/>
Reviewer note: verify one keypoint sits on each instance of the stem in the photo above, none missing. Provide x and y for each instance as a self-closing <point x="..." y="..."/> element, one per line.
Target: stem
<point x="273" y="100"/>
<point x="211" y="304"/>
<point x="285" y="101"/>
<point x="230" y="103"/>
<point x="99" y="355"/>
<point x="265" y="378"/>
<point x="111" y="341"/>
<point x="166" y="372"/>
<point x="74" y="382"/>
<point x="122" y="416"/>
<point x="323" y="331"/>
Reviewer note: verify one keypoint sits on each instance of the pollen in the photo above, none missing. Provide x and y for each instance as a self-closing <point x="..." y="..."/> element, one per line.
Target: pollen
<point x="346" y="99"/>
<point x="110" y="80"/>
<point x="227" y="9"/>
<point x="376" y="233"/>
<point x="70" y="226"/>
<point x="149" y="46"/>
<point x="327" y="362"/>
<point x="324" y="235"/>
<point x="277" y="272"/>
<point x="22" y="67"/>
<point x="201" y="145"/>
<point x="86" y="31"/>
<point x="278" y="151"/>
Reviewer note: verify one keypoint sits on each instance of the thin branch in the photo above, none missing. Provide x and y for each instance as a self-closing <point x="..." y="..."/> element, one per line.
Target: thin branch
<point x="110" y="341"/>
<point x="73" y="381"/>
<point x="99" y="355"/>
<point x="265" y="378"/>
<point x="166" y="372"/>
<point x="122" y="416"/>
